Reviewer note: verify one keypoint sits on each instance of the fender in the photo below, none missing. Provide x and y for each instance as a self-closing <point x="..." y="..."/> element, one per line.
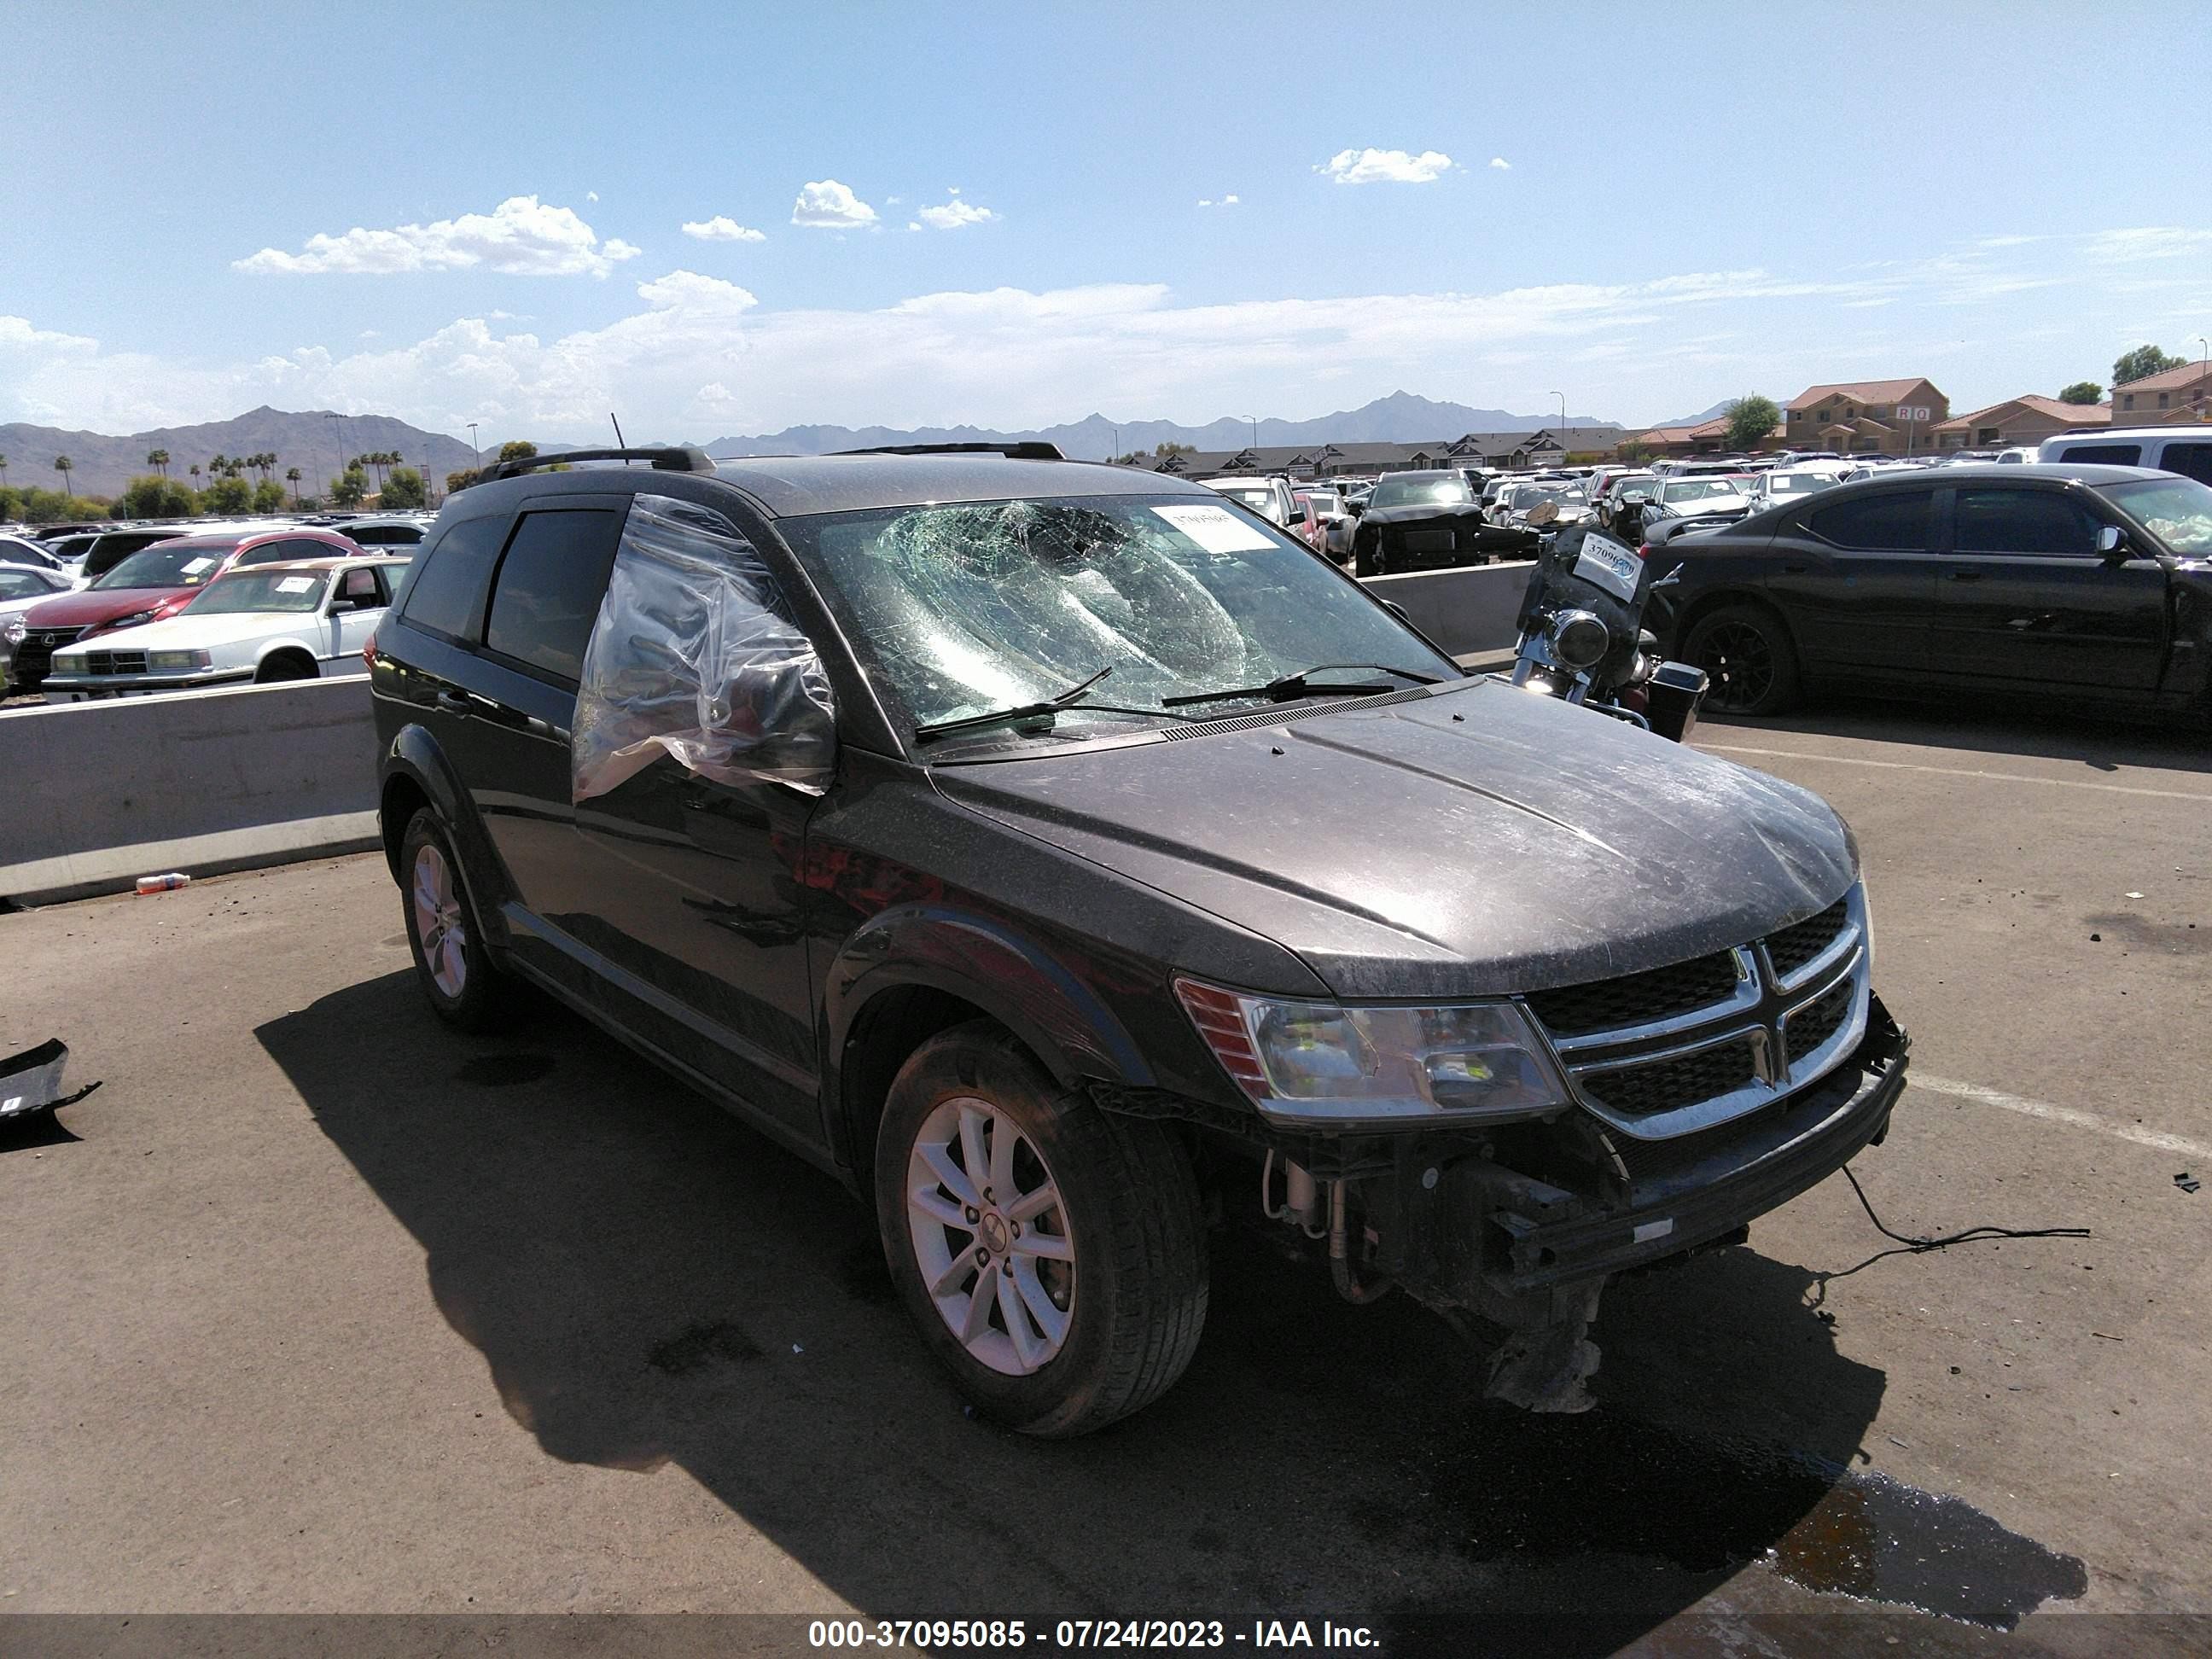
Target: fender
<point x="982" y="960"/>
<point x="414" y="755"/>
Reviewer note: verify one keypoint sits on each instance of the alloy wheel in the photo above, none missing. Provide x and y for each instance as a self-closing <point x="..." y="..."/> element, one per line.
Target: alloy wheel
<point x="440" y="926"/>
<point x="1741" y="660"/>
<point x="991" y="1236"/>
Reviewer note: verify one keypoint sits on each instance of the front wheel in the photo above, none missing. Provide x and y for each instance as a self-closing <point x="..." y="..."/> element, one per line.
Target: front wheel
<point x="1747" y="656"/>
<point x="465" y="988"/>
<point x="1052" y="1255"/>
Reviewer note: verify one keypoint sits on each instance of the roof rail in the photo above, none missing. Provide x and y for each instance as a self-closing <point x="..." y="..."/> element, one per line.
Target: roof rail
<point x="684" y="459"/>
<point x="1026" y="449"/>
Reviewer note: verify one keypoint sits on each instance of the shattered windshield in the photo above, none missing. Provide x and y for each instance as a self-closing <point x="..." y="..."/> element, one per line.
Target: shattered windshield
<point x="961" y="610"/>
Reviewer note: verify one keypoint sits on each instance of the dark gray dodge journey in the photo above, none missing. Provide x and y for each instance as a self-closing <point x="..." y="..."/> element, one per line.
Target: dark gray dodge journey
<point x="1062" y="856"/>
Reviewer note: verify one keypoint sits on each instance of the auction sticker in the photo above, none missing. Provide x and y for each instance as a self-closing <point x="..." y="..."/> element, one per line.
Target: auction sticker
<point x="1606" y="564"/>
<point x="194" y="567"/>
<point x="1216" y="529"/>
<point x="295" y="584"/>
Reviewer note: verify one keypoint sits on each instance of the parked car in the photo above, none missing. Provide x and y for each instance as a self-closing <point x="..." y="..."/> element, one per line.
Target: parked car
<point x="1269" y="497"/>
<point x="1430" y="520"/>
<point x="1623" y="496"/>
<point x="1335" y="520"/>
<point x="1516" y="501"/>
<point x="1788" y="483"/>
<point x="155" y="583"/>
<point x="390" y="534"/>
<point x="2187" y="450"/>
<point x="260" y="624"/>
<point x="22" y="586"/>
<point x="23" y="550"/>
<point x="2088" y="583"/>
<point x="1044" y="962"/>
<point x="1717" y="499"/>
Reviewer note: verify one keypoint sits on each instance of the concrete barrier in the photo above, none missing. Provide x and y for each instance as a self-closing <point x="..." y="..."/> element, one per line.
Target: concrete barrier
<point x="93" y="795"/>
<point x="1466" y="611"/>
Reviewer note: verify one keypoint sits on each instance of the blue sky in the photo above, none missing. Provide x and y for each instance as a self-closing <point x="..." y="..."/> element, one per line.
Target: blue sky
<point x="1694" y="202"/>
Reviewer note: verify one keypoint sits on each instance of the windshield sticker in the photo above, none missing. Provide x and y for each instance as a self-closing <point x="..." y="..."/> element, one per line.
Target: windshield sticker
<point x="194" y="567"/>
<point x="1609" y="565"/>
<point x="1216" y="529"/>
<point x="295" y="584"/>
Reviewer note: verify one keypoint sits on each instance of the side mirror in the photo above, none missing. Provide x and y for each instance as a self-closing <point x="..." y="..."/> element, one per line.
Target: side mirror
<point x="1358" y="509"/>
<point x="1398" y="612"/>
<point x="2111" y="544"/>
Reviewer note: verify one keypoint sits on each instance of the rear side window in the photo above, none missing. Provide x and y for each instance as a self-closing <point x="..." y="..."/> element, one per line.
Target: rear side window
<point x="2190" y="460"/>
<point x="2103" y="454"/>
<point x="449" y="580"/>
<point x="1883" y="524"/>
<point x="2023" y="521"/>
<point x="547" y="591"/>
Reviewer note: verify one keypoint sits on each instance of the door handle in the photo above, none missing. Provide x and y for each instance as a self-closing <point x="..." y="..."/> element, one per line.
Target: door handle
<point x="455" y="702"/>
<point x="1962" y="575"/>
<point x="1795" y="569"/>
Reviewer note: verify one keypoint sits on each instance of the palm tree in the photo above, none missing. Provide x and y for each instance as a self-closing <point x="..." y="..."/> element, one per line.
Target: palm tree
<point x="63" y="466"/>
<point x="158" y="460"/>
<point x="3" y="472"/>
<point x="292" y="478"/>
<point x="194" y="469"/>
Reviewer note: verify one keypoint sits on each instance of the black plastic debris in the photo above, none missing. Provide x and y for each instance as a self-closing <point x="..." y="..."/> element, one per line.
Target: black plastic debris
<point x="2186" y="1182"/>
<point x="32" y="1081"/>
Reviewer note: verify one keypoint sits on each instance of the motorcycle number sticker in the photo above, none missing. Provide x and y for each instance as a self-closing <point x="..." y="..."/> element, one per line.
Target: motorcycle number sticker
<point x="1606" y="564"/>
<point x="1216" y="529"/>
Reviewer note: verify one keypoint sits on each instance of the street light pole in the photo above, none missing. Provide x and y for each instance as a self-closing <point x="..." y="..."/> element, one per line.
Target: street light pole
<point x="1562" y="396"/>
<point x="1255" y="419"/>
<point x="2203" y="373"/>
<point x="474" y="449"/>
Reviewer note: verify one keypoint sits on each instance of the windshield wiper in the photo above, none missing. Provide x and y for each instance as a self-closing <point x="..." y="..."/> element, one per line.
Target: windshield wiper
<point x="1071" y="698"/>
<point x="1300" y="685"/>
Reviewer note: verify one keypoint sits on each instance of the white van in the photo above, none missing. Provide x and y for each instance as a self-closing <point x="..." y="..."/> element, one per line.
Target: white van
<point x="2184" y="449"/>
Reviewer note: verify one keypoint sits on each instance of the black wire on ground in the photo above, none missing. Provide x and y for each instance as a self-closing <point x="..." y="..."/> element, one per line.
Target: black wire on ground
<point x="1918" y="1244"/>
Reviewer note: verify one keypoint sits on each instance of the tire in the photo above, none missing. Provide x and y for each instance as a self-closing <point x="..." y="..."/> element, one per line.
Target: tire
<point x="1122" y="1279"/>
<point x="1746" y="653"/>
<point x="286" y="668"/>
<point x="465" y="987"/>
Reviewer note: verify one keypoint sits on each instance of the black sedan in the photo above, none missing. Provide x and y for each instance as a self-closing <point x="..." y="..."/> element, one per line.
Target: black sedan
<point x="2092" y="584"/>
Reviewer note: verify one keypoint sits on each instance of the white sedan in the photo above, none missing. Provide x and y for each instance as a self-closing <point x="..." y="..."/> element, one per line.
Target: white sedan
<point x="299" y="620"/>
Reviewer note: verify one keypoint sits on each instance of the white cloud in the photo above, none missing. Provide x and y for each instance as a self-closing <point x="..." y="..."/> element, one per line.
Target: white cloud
<point x="591" y="196"/>
<point x="696" y="354"/>
<point x="1385" y="167"/>
<point x="828" y="205"/>
<point x="1501" y="164"/>
<point x="2148" y="242"/>
<point x="520" y="237"/>
<point x="954" y="214"/>
<point x="721" y="228"/>
<point x="1226" y="201"/>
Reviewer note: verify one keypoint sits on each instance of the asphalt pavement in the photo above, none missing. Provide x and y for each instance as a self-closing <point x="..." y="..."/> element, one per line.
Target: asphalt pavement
<point x="316" y="1307"/>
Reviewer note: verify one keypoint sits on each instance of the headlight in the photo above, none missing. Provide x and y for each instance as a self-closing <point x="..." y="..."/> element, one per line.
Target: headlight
<point x="132" y="620"/>
<point x="1578" y="638"/>
<point x="166" y="660"/>
<point x="13" y="630"/>
<point x="1314" y="1063"/>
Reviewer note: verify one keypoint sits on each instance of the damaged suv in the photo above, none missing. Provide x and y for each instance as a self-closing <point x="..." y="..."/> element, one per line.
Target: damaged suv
<point x="1060" y="856"/>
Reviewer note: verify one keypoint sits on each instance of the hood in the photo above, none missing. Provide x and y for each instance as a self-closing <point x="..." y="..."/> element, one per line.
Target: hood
<point x="191" y="630"/>
<point x="1708" y="508"/>
<point x="1419" y="512"/>
<point x="1473" y="842"/>
<point x="91" y="607"/>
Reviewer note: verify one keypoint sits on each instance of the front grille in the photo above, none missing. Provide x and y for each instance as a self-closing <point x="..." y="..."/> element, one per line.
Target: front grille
<point x="1662" y="1160"/>
<point x="35" y="652"/>
<point x="1793" y="947"/>
<point x="1819" y="1019"/>
<point x="1637" y="999"/>
<point x="115" y="662"/>
<point x="1663" y="1085"/>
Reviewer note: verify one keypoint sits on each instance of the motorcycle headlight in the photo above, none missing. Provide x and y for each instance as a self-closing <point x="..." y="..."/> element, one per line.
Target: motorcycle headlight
<point x="159" y="660"/>
<point x="1578" y="638"/>
<point x="1321" y="1065"/>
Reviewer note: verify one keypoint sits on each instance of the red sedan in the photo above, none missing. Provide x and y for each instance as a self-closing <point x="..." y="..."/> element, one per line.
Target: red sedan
<point x="155" y="583"/>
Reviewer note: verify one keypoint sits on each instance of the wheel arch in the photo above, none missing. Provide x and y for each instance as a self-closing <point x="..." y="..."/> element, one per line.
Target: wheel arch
<point x="277" y="650"/>
<point x="415" y="774"/>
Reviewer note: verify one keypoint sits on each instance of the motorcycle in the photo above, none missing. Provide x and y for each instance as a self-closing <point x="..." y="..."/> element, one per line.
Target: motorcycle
<point x="1583" y="638"/>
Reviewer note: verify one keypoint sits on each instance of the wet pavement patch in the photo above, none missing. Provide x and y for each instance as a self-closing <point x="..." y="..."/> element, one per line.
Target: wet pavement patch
<point x="1554" y="1489"/>
<point x="703" y="1346"/>
<point x="503" y="1071"/>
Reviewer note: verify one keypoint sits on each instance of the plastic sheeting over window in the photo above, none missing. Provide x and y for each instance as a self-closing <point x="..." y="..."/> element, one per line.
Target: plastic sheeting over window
<point x="691" y="656"/>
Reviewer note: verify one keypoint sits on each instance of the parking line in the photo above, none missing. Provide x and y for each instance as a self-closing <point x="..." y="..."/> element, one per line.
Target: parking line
<point x="1959" y="772"/>
<point x="2067" y="1114"/>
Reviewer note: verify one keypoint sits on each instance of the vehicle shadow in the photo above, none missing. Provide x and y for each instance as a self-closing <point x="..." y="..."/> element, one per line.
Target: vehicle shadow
<point x="650" y="1283"/>
<point x="2099" y="744"/>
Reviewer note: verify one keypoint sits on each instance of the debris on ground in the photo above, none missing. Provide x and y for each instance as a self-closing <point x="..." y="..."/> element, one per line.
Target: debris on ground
<point x="32" y="1081"/>
<point x="2186" y="1182"/>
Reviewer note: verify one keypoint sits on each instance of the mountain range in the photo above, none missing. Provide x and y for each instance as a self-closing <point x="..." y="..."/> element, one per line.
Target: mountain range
<point x="1402" y="417"/>
<point x="315" y="440"/>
